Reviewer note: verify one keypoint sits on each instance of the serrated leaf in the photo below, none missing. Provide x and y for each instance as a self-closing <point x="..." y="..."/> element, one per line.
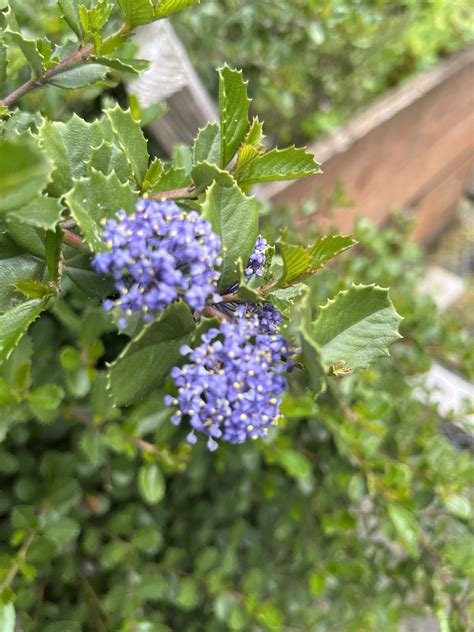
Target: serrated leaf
<point x="15" y="322"/>
<point x="147" y="360"/>
<point x="203" y="174"/>
<point x="79" y="77"/>
<point x="406" y="527"/>
<point x="153" y="174"/>
<point x="327" y="248"/>
<point x="234" y="112"/>
<point x="171" y="179"/>
<point x="255" y="135"/>
<point x="130" y="138"/>
<point x="69" y="146"/>
<point x="356" y="327"/>
<point x="24" y="172"/>
<point x="108" y="158"/>
<point x="27" y="46"/>
<point x="279" y="164"/>
<point x="21" y="267"/>
<point x="207" y="145"/>
<point x="234" y="217"/>
<point x="284" y="298"/>
<point x="296" y="261"/>
<point x="134" y="66"/>
<point x="137" y="11"/>
<point x="70" y="13"/>
<point x="42" y="212"/>
<point x="95" y="198"/>
<point x="151" y="483"/>
<point x="34" y="289"/>
<point x="167" y="7"/>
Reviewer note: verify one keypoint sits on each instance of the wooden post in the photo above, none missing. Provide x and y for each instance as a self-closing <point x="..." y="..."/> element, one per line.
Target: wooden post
<point x="171" y="78"/>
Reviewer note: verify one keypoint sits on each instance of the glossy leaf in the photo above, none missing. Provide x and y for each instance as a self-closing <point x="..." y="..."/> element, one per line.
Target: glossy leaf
<point x="146" y="360"/>
<point x="137" y="11"/>
<point x="233" y="109"/>
<point x="279" y="164"/>
<point x="207" y="145"/>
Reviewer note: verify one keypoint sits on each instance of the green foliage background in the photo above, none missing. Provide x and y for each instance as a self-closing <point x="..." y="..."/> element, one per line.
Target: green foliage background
<point x="313" y="63"/>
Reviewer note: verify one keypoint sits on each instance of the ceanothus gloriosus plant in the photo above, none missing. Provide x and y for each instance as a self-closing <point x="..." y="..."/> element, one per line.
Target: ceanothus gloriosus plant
<point x="197" y="302"/>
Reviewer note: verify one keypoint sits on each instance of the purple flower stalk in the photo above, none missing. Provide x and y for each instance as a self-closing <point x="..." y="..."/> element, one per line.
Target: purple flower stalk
<point x="257" y="259"/>
<point x="157" y="255"/>
<point x="232" y="388"/>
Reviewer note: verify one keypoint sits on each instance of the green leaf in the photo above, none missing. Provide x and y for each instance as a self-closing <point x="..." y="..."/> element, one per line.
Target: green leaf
<point x="137" y="11"/>
<point x="70" y="13"/>
<point x="42" y="212"/>
<point x="284" y="298"/>
<point x="45" y="400"/>
<point x="406" y="526"/>
<point x="34" y="289"/>
<point x="295" y="463"/>
<point x="62" y="529"/>
<point x="310" y="352"/>
<point x="204" y="174"/>
<point x="79" y="270"/>
<point x="328" y="247"/>
<point x="130" y="139"/>
<point x="356" y="327"/>
<point x="151" y="483"/>
<point x="28" y="47"/>
<point x="24" y="172"/>
<point x="279" y="164"/>
<point x="234" y="110"/>
<point x="153" y="174"/>
<point x="251" y="148"/>
<point x="96" y="198"/>
<point x="7" y="617"/>
<point x="69" y="146"/>
<point x="79" y="77"/>
<point x="106" y="158"/>
<point x="16" y="266"/>
<point x="15" y="322"/>
<point x="234" y="217"/>
<point x="207" y="145"/>
<point x="3" y="62"/>
<point x="167" y="7"/>
<point x="171" y="179"/>
<point x="134" y="66"/>
<point x="296" y="261"/>
<point x="146" y="360"/>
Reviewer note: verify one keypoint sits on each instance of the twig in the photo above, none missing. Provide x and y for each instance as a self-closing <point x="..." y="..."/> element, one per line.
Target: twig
<point x="20" y="558"/>
<point x="186" y="193"/>
<point x="212" y="312"/>
<point x="74" y="240"/>
<point x="76" y="58"/>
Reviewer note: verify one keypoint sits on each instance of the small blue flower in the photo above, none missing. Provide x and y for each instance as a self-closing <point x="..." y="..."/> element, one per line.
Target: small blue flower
<point x="157" y="255"/>
<point x="231" y="388"/>
<point x="257" y="259"/>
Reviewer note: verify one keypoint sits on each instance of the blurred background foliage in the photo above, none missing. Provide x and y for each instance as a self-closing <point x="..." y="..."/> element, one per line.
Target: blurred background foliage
<point x="353" y="514"/>
<point x="312" y="64"/>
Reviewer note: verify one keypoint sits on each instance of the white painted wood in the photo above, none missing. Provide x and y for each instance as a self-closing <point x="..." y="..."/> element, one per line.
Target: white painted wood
<point x="444" y="287"/>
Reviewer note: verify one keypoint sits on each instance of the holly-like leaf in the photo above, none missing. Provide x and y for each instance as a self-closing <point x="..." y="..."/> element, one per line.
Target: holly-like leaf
<point x="279" y="164"/>
<point x="234" y="217"/>
<point x="171" y="179"/>
<point x="153" y="174"/>
<point x="130" y="139"/>
<point x="70" y="12"/>
<point x="296" y="260"/>
<point x="167" y="7"/>
<point x="15" y="322"/>
<point x="207" y="145"/>
<point x="356" y="327"/>
<point x="34" y="289"/>
<point x="134" y="66"/>
<point x="24" y="172"/>
<point x="42" y="212"/>
<point x="151" y="483"/>
<point x="95" y="198"/>
<point x="328" y="247"/>
<point x="234" y="112"/>
<point x="137" y="11"/>
<point x="204" y="174"/>
<point x="69" y="146"/>
<point x="108" y="158"/>
<point x="16" y="266"/>
<point x="147" y="360"/>
<point x="79" y="77"/>
<point x="284" y="298"/>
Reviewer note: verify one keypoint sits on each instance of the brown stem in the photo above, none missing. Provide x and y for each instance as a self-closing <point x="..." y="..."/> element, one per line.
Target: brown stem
<point x="186" y="193"/>
<point x="74" y="240"/>
<point x="20" y="558"/>
<point x="212" y="312"/>
<point x="75" y="58"/>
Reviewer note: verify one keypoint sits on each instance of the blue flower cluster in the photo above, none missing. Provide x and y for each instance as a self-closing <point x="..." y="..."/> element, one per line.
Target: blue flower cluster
<point x="157" y="255"/>
<point x="269" y="318"/>
<point x="232" y="388"/>
<point x="257" y="259"/>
